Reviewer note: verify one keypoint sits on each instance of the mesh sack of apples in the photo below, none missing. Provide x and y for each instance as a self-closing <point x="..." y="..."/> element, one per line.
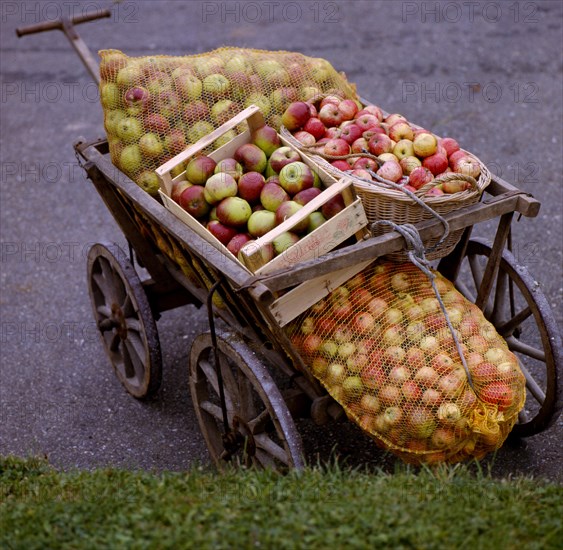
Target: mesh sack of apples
<point x="381" y="346"/>
<point x="154" y="107"/>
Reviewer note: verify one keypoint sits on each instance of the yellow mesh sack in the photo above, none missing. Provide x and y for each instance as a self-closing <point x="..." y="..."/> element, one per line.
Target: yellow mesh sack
<point x="381" y="347"/>
<point x="154" y="107"/>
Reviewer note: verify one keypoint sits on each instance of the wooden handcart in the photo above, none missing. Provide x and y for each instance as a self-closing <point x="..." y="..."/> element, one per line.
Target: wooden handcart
<point x="247" y="406"/>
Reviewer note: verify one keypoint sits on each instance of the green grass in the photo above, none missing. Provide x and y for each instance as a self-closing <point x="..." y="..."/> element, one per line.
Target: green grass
<point x="320" y="508"/>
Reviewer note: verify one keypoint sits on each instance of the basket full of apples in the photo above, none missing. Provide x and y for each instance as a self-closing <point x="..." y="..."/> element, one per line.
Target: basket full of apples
<point x="375" y="148"/>
<point x="381" y="347"/>
<point x="258" y="199"/>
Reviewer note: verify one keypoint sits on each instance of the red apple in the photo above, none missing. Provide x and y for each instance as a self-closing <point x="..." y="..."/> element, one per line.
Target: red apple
<point x="351" y="133"/>
<point x="348" y="108"/>
<point x="221" y="232"/>
<point x="332" y="207"/>
<point x="379" y="144"/>
<point x="341" y="165"/>
<point x="315" y="127"/>
<point x="450" y="145"/>
<point x="391" y="171"/>
<point x="307" y="195"/>
<point x="251" y="158"/>
<point x="282" y="157"/>
<point x="296" y="115"/>
<point x="330" y="115"/>
<point x="267" y="139"/>
<point x="250" y="186"/>
<point x="337" y="147"/>
<point x="199" y="169"/>
<point x="366" y="122"/>
<point x="436" y="163"/>
<point x="272" y="195"/>
<point x="296" y="177"/>
<point x="192" y="200"/>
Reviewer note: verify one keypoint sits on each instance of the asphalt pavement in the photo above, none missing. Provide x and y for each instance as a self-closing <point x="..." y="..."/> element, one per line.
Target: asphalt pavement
<point x="487" y="73"/>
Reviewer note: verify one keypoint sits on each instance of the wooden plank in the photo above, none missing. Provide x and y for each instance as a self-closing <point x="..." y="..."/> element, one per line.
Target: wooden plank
<point x="296" y="301"/>
<point x="255" y="247"/>
<point x="255" y="119"/>
<point x="386" y="244"/>
<point x="322" y="240"/>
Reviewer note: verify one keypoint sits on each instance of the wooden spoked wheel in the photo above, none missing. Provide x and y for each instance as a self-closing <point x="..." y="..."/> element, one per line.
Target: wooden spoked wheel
<point x="522" y="316"/>
<point x="256" y="410"/>
<point x="125" y="320"/>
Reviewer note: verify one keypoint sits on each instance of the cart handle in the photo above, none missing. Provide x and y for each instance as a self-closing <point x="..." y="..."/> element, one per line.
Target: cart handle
<point x="58" y="24"/>
<point x="66" y="25"/>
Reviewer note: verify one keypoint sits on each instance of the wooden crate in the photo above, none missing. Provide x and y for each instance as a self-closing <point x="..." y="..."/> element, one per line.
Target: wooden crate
<point x="350" y="221"/>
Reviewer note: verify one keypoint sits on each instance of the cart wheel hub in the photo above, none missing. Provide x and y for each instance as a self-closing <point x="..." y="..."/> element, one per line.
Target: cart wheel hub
<point x="118" y="320"/>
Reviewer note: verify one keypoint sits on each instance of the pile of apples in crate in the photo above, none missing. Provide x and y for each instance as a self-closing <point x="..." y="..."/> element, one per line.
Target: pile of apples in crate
<point x="408" y="155"/>
<point x="242" y="198"/>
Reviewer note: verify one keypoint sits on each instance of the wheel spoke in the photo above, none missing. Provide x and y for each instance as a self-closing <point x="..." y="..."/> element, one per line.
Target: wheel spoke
<point x="264" y="459"/>
<point x="114" y="344"/>
<point x="497" y="311"/>
<point x="136" y="353"/>
<point x="272" y="448"/>
<point x="133" y="324"/>
<point x="530" y="351"/>
<point x="105" y="288"/>
<point x="212" y="409"/>
<point x="104" y="310"/>
<point x="507" y="328"/>
<point x="532" y="385"/>
<point x="476" y="270"/>
<point x="209" y="371"/>
<point x="128" y="307"/>
<point x="114" y="281"/>
<point x="128" y="366"/>
<point x="258" y="424"/>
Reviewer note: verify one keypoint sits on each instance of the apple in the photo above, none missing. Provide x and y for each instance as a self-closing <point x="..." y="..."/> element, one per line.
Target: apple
<point x="421" y="422"/>
<point x="411" y="390"/>
<point x="372" y="110"/>
<point x="404" y="148"/>
<point x="129" y="76"/>
<point x="237" y="242"/>
<point x="359" y="146"/>
<point x="366" y="122"/>
<point x="251" y="157"/>
<point x="442" y="362"/>
<point x="221" y="232"/>
<point x="223" y="110"/>
<point x="296" y="115"/>
<point x="373" y="376"/>
<point x="331" y="99"/>
<point x="272" y="195"/>
<point x="443" y="438"/>
<point x="431" y="397"/>
<point x="234" y="211"/>
<point x="348" y="108"/>
<point x="315" y="127"/>
<point x="199" y="130"/>
<point x="129" y="129"/>
<point x="352" y="387"/>
<point x="155" y="122"/>
<point x="316" y="219"/>
<point x="451" y="385"/>
<point x="110" y="65"/>
<point x="151" y="145"/>
<point x="363" y="322"/>
<point x="330" y="115"/>
<point x="112" y="119"/>
<point x="467" y="165"/>
<point x="409" y="164"/>
<point x="425" y="145"/>
<point x="332" y="207"/>
<point x="296" y="177"/>
<point x="391" y="170"/>
<point x="377" y="306"/>
<point x="261" y="101"/>
<point x="216" y="85"/>
<point x="229" y="166"/>
<point x="429" y="344"/>
<point x="148" y="181"/>
<point x="167" y="103"/>
<point x="369" y="403"/>
<point x="305" y="138"/>
<point x="250" y="186"/>
<point x="379" y="144"/>
<point x="267" y="139"/>
<point x="220" y="186"/>
<point x="282" y="157"/>
<point x="420" y="176"/>
<point x="335" y="374"/>
<point x="390" y="395"/>
<point x="177" y="188"/>
<point x="449" y="413"/>
<point x="436" y="163"/>
<point x="401" y="130"/>
<point x="337" y="147"/>
<point x="287" y="209"/>
<point x="307" y="195"/>
<point x="200" y="169"/>
<point x="393" y="118"/>
<point x="192" y="200"/>
<point x="435" y="192"/>
<point x="450" y="145"/>
<point x="130" y="159"/>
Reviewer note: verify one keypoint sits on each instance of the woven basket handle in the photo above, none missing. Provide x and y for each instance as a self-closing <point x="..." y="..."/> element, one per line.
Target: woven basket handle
<point x="448" y="177"/>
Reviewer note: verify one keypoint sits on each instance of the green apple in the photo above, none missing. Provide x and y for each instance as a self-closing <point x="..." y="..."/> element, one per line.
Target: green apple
<point x="110" y="96"/>
<point x="216" y="84"/>
<point x="284" y="241"/>
<point x="148" y="181"/>
<point x="198" y="130"/>
<point x="129" y="129"/>
<point x="151" y="145"/>
<point x="130" y="159"/>
<point x="261" y="101"/>
<point x="112" y="118"/>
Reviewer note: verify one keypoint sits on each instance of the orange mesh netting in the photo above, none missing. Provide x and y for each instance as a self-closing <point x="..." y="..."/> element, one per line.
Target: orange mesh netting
<point x="381" y="346"/>
<point x="154" y="107"/>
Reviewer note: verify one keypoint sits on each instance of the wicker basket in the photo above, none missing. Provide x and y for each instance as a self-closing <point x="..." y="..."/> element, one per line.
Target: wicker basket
<point x="396" y="206"/>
